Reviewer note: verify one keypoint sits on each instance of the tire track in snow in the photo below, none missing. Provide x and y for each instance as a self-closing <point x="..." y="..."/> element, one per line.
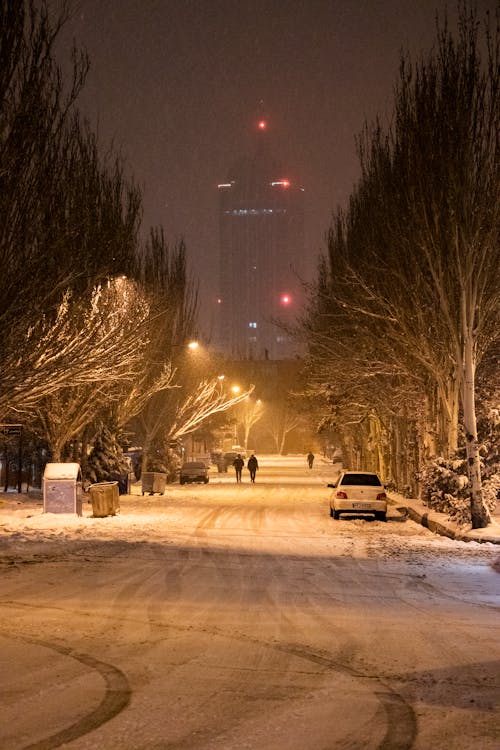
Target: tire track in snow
<point x="116" y="697"/>
<point x="401" y="722"/>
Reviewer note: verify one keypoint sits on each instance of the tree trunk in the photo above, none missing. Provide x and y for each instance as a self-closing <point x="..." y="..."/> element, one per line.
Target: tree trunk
<point x="480" y="515"/>
<point x="429" y="427"/>
<point x="56" y="452"/>
<point x="282" y="443"/>
<point x="447" y="417"/>
<point x="145" y="453"/>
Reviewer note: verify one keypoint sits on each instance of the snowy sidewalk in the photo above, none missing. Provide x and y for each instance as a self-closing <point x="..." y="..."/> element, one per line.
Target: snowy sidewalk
<point x="441" y="524"/>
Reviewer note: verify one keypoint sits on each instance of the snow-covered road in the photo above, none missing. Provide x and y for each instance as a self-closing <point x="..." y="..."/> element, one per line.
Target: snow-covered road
<point x="228" y="617"/>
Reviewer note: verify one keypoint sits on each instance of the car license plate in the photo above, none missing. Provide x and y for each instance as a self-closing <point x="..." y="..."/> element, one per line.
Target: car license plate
<point x="361" y="506"/>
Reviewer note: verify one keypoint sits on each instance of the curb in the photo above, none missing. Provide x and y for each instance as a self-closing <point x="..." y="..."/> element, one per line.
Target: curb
<point x="427" y="520"/>
<point x="439" y="523"/>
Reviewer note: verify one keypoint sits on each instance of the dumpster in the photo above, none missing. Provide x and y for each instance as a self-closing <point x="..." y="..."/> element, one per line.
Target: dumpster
<point x="105" y="499"/>
<point x="153" y="481"/>
<point x="62" y="488"/>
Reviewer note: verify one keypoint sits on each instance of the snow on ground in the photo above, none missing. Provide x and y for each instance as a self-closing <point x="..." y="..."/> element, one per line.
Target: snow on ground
<point x="284" y="483"/>
<point x="227" y="616"/>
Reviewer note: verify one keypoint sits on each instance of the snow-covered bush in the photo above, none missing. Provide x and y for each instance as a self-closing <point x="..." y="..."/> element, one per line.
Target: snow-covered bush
<point x="491" y="490"/>
<point x="173" y="463"/>
<point x="445" y="488"/>
<point x="106" y="461"/>
<point x="164" y="460"/>
<point x="156" y="458"/>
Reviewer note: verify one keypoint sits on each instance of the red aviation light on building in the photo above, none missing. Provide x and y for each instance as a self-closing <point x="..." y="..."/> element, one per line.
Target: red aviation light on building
<point x="286" y="299"/>
<point x="280" y="183"/>
<point x="262" y="125"/>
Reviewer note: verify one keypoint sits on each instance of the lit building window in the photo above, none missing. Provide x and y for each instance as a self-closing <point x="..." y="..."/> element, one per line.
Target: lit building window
<point x="252" y="325"/>
<point x="254" y="211"/>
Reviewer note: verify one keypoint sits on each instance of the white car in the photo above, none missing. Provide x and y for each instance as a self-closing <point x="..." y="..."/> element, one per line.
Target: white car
<point x="358" y="492"/>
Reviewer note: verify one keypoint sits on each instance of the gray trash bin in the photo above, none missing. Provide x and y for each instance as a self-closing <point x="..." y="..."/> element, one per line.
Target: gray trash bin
<point x="62" y="488"/>
<point x="105" y="499"/>
<point x="153" y="481"/>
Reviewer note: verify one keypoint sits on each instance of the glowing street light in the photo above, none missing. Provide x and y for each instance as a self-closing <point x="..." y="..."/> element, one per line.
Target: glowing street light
<point x="193" y="345"/>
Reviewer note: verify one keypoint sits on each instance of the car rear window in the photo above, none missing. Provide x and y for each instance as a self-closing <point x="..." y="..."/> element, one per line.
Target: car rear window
<point x="194" y="465"/>
<point x="370" y="480"/>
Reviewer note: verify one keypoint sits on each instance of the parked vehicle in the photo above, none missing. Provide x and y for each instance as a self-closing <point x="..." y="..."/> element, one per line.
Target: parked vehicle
<point x="358" y="492"/>
<point x="193" y="471"/>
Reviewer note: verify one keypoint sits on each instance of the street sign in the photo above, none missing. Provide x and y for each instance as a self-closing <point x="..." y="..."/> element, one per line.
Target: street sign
<point x="11" y="430"/>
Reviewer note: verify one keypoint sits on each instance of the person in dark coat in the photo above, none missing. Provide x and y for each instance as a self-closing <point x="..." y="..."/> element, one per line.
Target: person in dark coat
<point x="310" y="459"/>
<point x="252" y="466"/>
<point x="238" y="464"/>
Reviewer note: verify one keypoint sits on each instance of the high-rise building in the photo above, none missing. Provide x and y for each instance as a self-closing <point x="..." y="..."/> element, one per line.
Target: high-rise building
<point x="261" y="221"/>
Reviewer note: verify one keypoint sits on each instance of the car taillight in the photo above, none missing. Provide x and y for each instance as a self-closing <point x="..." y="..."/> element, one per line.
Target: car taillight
<point x="342" y="495"/>
<point x="381" y="496"/>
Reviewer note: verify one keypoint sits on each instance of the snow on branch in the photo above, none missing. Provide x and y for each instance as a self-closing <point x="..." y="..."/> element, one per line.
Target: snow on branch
<point x="209" y="398"/>
<point x="95" y="341"/>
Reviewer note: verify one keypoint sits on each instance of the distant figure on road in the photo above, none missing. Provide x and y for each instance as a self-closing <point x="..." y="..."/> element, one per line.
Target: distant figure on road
<point x="310" y="459"/>
<point x="238" y="464"/>
<point x="252" y="466"/>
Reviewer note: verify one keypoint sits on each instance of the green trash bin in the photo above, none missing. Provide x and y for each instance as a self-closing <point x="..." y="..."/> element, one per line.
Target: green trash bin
<point x="105" y="499"/>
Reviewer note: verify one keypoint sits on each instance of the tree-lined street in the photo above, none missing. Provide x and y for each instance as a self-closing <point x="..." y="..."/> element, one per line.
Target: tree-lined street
<point x="239" y="616"/>
<point x="232" y="616"/>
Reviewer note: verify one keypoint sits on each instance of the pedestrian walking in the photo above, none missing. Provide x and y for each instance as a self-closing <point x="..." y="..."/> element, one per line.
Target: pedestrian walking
<point x="252" y="466"/>
<point x="238" y="464"/>
<point x="310" y="459"/>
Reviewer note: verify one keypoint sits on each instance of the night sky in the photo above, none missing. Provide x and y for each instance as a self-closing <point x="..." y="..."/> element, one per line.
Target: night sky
<point x="180" y="84"/>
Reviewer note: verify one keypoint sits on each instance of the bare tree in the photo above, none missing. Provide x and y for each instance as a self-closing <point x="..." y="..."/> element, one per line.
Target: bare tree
<point x="445" y="161"/>
<point x="63" y="416"/>
<point x="208" y="398"/>
<point x="280" y="420"/>
<point x="171" y="324"/>
<point x="99" y="341"/>
<point x="248" y="413"/>
<point x="34" y="115"/>
<point x="68" y="221"/>
<point x="409" y="295"/>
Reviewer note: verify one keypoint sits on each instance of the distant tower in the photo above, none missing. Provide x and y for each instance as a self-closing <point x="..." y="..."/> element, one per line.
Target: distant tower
<point x="261" y="221"/>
